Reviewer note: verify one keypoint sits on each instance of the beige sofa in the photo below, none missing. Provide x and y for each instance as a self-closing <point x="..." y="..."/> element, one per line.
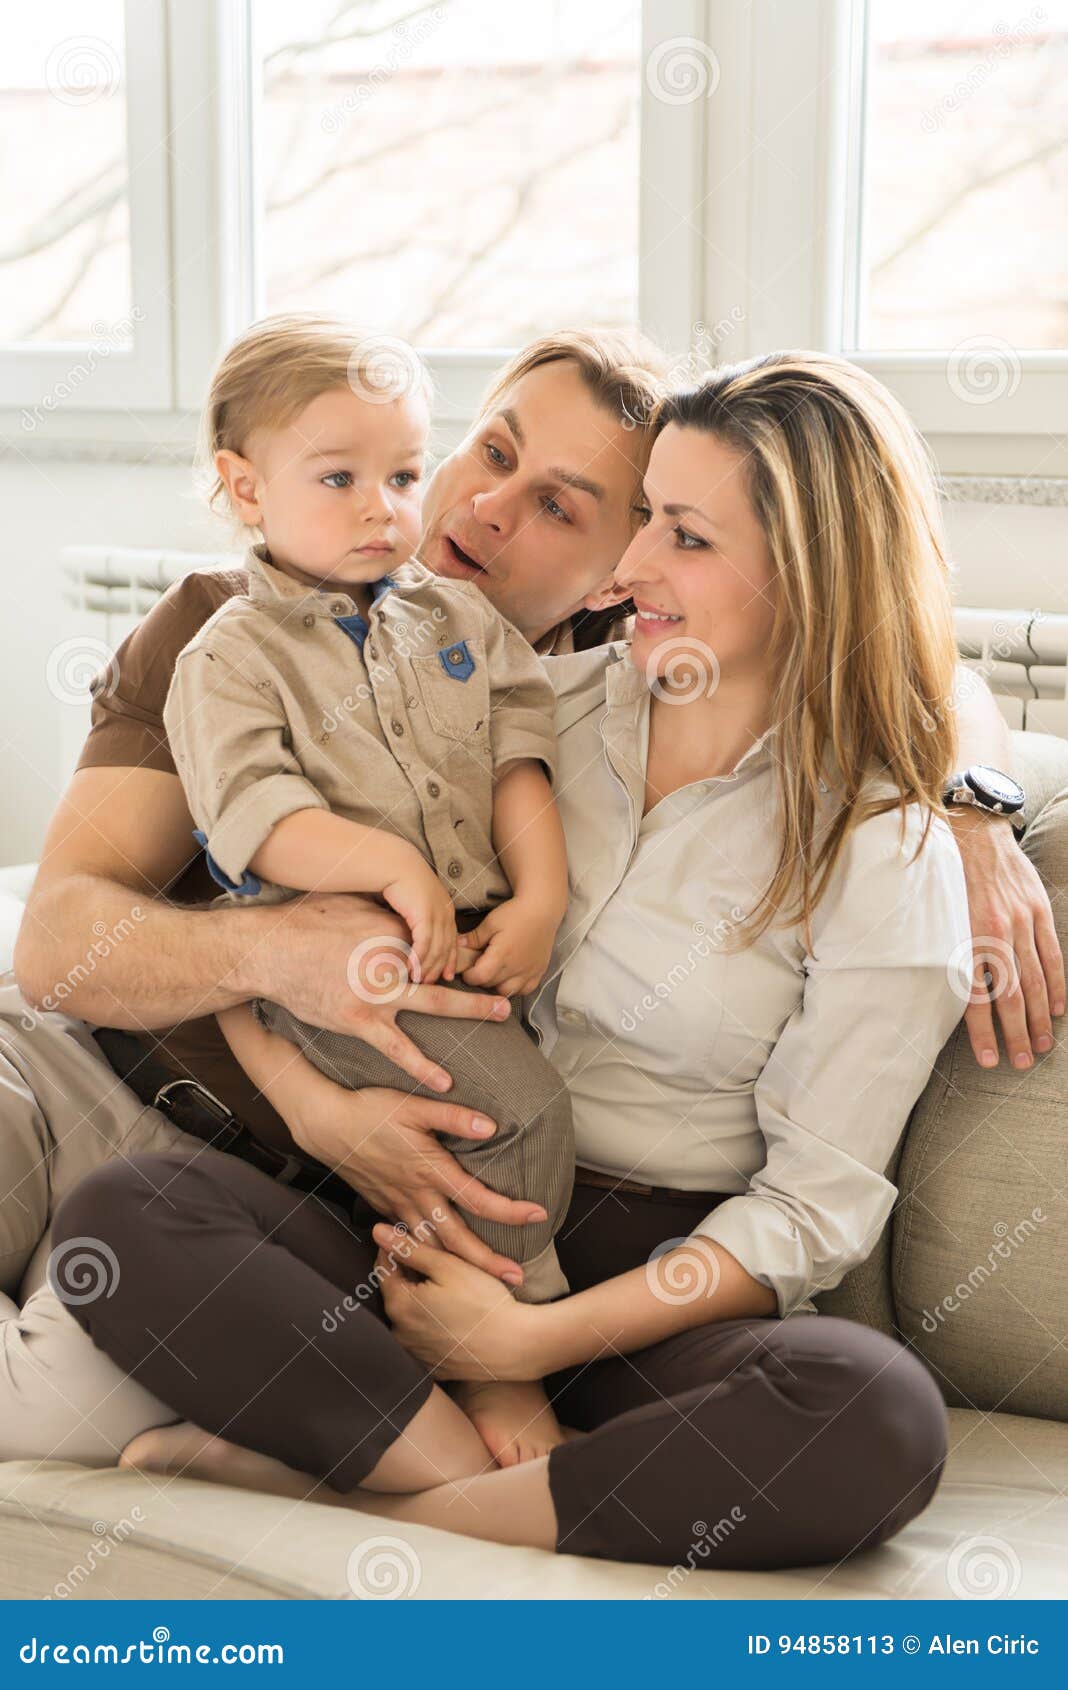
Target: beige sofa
<point x="971" y="1271"/>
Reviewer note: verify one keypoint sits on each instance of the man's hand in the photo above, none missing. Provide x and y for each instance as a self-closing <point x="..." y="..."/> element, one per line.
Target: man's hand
<point x="340" y="962"/>
<point x="1015" y="942"/>
<point x="516" y="941"/>
<point x="383" y="1144"/>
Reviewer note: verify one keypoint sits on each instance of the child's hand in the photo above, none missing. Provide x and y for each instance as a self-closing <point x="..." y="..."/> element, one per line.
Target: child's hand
<point x="417" y="894"/>
<point x="516" y="940"/>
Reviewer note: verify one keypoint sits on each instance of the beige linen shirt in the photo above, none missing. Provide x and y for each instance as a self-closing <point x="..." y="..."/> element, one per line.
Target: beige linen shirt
<point x="287" y="699"/>
<point x="780" y="1075"/>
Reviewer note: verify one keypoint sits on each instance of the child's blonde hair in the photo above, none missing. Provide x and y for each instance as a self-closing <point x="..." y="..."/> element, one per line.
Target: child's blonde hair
<point x="280" y="364"/>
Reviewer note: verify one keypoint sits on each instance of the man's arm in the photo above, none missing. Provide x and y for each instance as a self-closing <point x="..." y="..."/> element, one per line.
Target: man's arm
<point x="1013" y="931"/>
<point x="118" y="839"/>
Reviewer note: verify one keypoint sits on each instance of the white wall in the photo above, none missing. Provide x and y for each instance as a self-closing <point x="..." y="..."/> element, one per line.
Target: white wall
<point x="48" y="505"/>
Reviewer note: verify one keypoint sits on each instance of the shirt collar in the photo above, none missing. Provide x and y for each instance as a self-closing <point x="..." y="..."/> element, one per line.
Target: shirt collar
<point x="276" y="591"/>
<point x="558" y="642"/>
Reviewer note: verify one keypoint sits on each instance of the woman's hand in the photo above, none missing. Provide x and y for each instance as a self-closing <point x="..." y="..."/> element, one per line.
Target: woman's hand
<point x="383" y="1144"/>
<point x="459" y="1322"/>
<point x="1014" y="940"/>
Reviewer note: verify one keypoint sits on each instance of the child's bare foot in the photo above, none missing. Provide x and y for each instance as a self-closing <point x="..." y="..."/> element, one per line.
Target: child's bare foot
<point x="513" y="1418"/>
<point x="189" y="1450"/>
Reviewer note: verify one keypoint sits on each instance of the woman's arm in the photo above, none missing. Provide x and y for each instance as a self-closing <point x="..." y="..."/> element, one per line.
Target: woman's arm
<point x="1007" y="902"/>
<point x="464" y="1325"/>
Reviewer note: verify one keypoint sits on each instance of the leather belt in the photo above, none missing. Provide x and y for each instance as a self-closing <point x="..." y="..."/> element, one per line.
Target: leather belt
<point x="652" y="1193"/>
<point x="197" y="1111"/>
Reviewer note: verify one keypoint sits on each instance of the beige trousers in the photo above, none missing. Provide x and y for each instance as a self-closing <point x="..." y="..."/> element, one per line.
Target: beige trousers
<point x="62" y="1113"/>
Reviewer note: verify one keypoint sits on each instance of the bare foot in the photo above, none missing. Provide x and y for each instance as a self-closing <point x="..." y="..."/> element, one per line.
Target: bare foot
<point x="188" y="1449"/>
<point x="513" y="1418"/>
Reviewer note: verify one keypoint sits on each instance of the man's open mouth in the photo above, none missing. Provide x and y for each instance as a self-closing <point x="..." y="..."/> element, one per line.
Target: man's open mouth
<point x="461" y="556"/>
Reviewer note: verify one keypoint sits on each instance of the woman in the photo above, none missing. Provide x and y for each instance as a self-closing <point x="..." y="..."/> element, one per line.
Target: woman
<point x="752" y="982"/>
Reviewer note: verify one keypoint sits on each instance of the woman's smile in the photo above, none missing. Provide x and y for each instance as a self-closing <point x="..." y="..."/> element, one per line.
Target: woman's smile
<point x="653" y="620"/>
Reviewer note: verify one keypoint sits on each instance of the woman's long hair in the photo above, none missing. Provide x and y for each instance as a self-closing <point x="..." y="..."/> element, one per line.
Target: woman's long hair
<point x="862" y="652"/>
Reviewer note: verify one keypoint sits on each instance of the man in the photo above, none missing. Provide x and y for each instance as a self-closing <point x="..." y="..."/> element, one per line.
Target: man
<point x="536" y="506"/>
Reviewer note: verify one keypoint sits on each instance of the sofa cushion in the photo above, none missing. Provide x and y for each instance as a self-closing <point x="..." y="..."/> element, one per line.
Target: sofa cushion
<point x="1040" y="763"/>
<point x="980" y="1233"/>
<point x="998" y="1525"/>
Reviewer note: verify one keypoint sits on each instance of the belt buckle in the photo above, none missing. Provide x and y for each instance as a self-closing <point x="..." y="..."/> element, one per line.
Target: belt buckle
<point x="215" y="1106"/>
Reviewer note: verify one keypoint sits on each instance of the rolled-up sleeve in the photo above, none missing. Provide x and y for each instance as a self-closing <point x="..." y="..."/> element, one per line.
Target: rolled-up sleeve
<point x="883" y="991"/>
<point x="230" y="743"/>
<point x="522" y="701"/>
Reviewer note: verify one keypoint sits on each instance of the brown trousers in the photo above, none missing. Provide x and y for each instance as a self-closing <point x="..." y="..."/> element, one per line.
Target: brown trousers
<point x="496" y="1068"/>
<point x="253" y="1311"/>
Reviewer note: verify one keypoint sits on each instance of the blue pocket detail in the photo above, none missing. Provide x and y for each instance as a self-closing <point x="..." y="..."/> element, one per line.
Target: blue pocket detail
<point x="457" y="661"/>
<point x="248" y="887"/>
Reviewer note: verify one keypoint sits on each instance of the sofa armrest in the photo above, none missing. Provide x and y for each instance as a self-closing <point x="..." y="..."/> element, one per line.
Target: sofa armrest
<point x="1040" y="764"/>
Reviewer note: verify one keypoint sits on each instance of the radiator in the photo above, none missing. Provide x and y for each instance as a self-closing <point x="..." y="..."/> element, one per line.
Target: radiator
<point x="1022" y="654"/>
<point x="106" y="592"/>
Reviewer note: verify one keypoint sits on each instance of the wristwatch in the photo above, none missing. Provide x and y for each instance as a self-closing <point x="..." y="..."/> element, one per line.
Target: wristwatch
<point x="987" y="788"/>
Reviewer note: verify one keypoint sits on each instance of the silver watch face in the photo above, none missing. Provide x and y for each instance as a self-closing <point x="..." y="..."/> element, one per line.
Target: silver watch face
<point x="991" y="783"/>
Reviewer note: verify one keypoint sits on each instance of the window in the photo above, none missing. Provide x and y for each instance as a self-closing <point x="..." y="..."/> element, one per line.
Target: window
<point x="460" y="173"/>
<point x="964" y="212"/>
<point x="84" y="316"/>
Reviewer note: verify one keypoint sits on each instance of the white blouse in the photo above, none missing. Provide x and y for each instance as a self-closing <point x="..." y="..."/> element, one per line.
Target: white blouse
<point x="780" y="1076"/>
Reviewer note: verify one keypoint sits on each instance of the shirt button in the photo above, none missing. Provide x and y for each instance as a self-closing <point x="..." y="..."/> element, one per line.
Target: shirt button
<point x="456" y="868"/>
<point x="433" y="788"/>
<point x="373" y="649"/>
<point x="309" y="621"/>
<point x="573" y="1017"/>
<point x="337" y="609"/>
<point x="396" y="726"/>
<point x="456" y="656"/>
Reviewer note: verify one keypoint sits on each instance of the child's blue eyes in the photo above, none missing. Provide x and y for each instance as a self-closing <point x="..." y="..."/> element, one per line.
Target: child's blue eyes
<point x="341" y="478"/>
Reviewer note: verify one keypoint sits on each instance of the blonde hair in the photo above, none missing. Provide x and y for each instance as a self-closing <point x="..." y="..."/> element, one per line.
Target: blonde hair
<point x="625" y="373"/>
<point x="862" y="649"/>
<point x="279" y="365"/>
